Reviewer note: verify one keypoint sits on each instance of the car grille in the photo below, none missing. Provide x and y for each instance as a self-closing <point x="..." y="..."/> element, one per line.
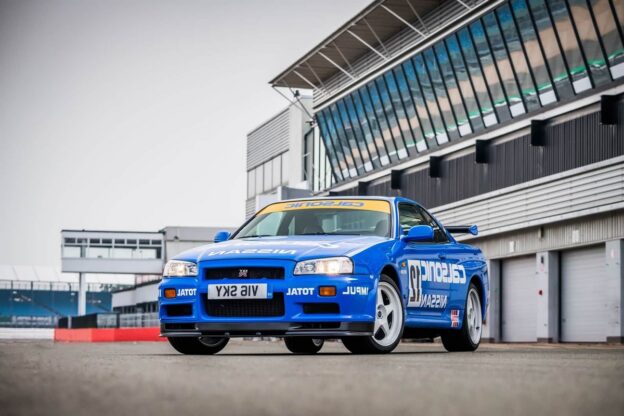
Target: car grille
<point x="246" y="307"/>
<point x="244" y="273"/>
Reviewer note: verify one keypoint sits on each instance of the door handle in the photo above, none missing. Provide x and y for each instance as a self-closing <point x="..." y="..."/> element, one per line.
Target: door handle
<point x="442" y="256"/>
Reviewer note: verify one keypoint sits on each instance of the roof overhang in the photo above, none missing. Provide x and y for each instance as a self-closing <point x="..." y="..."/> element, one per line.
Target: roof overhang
<point x="363" y="34"/>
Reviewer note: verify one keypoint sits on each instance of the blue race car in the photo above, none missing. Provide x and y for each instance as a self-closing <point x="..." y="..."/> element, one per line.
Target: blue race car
<point x="367" y="270"/>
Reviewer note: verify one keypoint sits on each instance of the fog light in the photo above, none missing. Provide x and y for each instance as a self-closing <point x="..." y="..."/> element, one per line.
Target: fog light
<point x="170" y="293"/>
<point x="327" y="290"/>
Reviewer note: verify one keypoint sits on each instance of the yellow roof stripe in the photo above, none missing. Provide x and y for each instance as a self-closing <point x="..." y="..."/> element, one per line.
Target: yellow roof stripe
<point x="360" y="204"/>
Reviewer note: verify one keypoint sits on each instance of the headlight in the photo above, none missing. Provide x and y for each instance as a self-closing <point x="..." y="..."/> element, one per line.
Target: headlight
<point x="332" y="265"/>
<point x="176" y="268"/>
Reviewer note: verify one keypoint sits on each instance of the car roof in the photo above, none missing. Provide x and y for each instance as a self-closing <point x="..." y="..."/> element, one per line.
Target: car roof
<point x="369" y="197"/>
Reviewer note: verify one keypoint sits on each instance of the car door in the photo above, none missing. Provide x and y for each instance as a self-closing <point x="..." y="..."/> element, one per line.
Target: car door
<point x="454" y="261"/>
<point x="427" y="294"/>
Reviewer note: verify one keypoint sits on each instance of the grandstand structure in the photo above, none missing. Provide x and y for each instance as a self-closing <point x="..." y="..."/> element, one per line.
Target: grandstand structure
<point x="33" y="296"/>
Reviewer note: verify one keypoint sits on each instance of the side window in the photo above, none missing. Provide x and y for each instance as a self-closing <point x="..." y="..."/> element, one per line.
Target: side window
<point x="439" y="235"/>
<point x="410" y="216"/>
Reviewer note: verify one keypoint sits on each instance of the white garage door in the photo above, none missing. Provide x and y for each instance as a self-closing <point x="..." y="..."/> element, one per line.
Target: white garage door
<point x="583" y="295"/>
<point x="519" y="300"/>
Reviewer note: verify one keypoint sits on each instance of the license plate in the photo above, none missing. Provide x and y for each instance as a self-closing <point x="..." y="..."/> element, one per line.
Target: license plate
<point x="238" y="291"/>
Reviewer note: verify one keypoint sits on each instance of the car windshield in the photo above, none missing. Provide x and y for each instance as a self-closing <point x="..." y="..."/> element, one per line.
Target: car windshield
<point x="320" y="217"/>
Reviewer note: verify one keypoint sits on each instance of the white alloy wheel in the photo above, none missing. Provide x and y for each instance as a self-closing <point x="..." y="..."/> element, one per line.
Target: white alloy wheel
<point x="388" y="315"/>
<point x="474" y="316"/>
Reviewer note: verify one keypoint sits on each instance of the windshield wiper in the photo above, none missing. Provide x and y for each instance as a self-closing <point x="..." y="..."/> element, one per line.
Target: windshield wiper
<point x="256" y="235"/>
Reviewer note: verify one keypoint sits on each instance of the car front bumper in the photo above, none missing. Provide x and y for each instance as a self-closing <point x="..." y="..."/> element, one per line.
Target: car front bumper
<point x="296" y="307"/>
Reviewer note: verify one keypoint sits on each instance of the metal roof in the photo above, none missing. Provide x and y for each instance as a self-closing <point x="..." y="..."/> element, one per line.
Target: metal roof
<point x="363" y="34"/>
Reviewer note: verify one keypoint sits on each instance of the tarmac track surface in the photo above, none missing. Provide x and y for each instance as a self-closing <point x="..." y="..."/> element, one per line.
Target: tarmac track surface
<point x="262" y="378"/>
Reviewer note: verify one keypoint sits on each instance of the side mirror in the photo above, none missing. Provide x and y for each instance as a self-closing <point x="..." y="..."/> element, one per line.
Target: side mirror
<point x="419" y="233"/>
<point x="222" y="236"/>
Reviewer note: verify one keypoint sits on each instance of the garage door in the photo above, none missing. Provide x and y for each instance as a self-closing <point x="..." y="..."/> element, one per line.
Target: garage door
<point x="583" y="295"/>
<point x="519" y="300"/>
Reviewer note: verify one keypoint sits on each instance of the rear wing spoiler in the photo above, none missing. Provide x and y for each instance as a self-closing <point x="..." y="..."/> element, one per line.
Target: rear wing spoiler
<point x="463" y="229"/>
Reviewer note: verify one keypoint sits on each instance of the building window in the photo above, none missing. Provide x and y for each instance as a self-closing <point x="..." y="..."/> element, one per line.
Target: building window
<point x="512" y="61"/>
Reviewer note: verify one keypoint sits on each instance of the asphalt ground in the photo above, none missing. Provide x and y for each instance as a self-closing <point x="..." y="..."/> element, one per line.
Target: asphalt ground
<point x="262" y="378"/>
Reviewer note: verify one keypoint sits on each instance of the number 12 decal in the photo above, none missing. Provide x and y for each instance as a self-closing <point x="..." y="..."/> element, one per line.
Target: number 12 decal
<point x="415" y="283"/>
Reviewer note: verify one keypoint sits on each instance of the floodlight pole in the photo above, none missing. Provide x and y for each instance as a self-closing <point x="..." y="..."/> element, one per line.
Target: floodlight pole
<point x="82" y="294"/>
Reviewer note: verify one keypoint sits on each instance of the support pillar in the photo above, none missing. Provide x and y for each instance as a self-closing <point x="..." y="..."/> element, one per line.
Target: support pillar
<point x="547" y="269"/>
<point x="492" y="326"/>
<point x="615" y="291"/>
<point x="82" y="294"/>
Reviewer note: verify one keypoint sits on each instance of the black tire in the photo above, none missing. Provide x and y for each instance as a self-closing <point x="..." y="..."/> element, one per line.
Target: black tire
<point x="304" y="345"/>
<point x="456" y="341"/>
<point x="198" y="346"/>
<point x="368" y="344"/>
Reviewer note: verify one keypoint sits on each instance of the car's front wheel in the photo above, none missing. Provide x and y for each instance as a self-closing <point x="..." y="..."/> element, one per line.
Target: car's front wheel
<point x="198" y="346"/>
<point x="389" y="322"/>
<point x="468" y="337"/>
<point x="304" y="345"/>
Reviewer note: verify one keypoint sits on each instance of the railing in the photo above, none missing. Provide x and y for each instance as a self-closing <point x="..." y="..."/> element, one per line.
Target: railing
<point x="138" y="320"/>
<point x="28" y="321"/>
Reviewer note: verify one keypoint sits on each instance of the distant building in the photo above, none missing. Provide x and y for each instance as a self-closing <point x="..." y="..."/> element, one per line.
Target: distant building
<point x="143" y="297"/>
<point x="276" y="169"/>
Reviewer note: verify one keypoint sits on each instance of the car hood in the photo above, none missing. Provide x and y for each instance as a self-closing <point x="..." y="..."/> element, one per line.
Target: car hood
<point x="294" y="248"/>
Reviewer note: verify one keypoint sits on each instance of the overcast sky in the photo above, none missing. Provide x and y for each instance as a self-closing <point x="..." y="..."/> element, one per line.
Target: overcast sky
<point x="132" y="115"/>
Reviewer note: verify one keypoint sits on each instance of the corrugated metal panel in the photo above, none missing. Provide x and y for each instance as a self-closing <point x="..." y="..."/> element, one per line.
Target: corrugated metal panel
<point x="568" y="234"/>
<point x="596" y="190"/>
<point x="584" y="290"/>
<point x="268" y="140"/>
<point x="250" y="207"/>
<point x="519" y="300"/>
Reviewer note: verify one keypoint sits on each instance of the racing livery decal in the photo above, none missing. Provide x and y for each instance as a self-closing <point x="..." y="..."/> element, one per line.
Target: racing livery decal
<point x="186" y="292"/>
<point x="431" y="271"/>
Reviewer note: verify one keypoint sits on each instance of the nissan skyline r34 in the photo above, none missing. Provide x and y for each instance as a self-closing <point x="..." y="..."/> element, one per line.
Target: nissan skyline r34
<point x="367" y="270"/>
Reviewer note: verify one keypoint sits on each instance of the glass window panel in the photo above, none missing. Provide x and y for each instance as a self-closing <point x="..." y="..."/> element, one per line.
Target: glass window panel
<point x="419" y="100"/>
<point x="366" y="129"/>
<point x="430" y="99"/>
<point x="454" y="94"/>
<point x="267" y="175"/>
<point x="474" y="69"/>
<point x="546" y="32"/>
<point x="440" y="92"/>
<point x="277" y="172"/>
<point x="589" y="40"/>
<point x="325" y="135"/>
<point x="285" y="171"/>
<point x="619" y="12"/>
<point x="571" y="48"/>
<point x="534" y="52"/>
<point x="607" y="26"/>
<point x="508" y="76"/>
<point x="259" y="179"/>
<point x="337" y="144"/>
<point x="400" y="111"/>
<point x="464" y="83"/>
<point x="343" y="140"/>
<point x="382" y="120"/>
<point x="410" y="109"/>
<point x="351" y="142"/>
<point x="251" y="183"/>
<point x="489" y="71"/>
<point x="359" y="133"/>
<point x="516" y="54"/>
<point x="375" y="127"/>
<point x="71" y="252"/>
<point x="395" y="130"/>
